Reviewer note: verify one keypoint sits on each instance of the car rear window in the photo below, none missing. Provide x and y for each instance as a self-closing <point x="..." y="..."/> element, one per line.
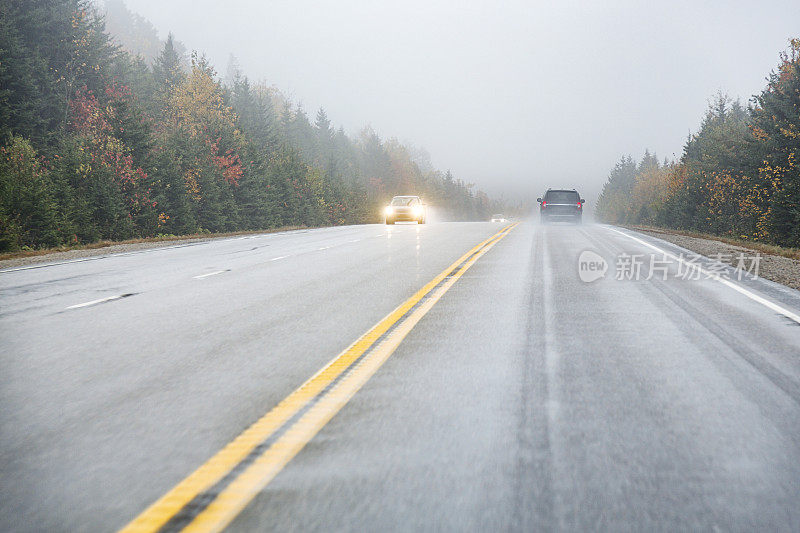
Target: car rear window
<point x="561" y="197"/>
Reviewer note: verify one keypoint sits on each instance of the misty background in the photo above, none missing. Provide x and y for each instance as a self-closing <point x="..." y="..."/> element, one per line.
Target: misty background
<point x="513" y="97"/>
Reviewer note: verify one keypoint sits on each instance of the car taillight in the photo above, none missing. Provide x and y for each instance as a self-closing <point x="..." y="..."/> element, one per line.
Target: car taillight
<point x="544" y="204"/>
<point x="579" y="205"/>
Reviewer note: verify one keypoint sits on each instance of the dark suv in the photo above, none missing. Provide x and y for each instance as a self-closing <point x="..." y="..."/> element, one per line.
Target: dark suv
<point x="561" y="205"/>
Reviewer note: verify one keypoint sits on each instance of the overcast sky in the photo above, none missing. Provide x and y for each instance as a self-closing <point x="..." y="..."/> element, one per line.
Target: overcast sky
<point x="512" y="96"/>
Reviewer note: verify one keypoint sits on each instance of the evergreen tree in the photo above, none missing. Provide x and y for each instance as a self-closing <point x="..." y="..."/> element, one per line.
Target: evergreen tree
<point x="98" y="144"/>
<point x="777" y="131"/>
<point x="28" y="210"/>
<point x="168" y="68"/>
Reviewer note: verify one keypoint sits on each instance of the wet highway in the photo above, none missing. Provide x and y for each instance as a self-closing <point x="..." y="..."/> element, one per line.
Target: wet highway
<point x="451" y="376"/>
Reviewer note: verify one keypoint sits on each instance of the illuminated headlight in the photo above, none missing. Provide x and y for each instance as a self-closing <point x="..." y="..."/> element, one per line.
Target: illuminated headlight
<point x="417" y="210"/>
<point x="388" y="210"/>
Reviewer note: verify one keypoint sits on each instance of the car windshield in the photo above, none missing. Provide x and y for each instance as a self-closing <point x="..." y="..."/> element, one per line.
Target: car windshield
<point x="561" y="197"/>
<point x="497" y="216"/>
<point x="403" y="200"/>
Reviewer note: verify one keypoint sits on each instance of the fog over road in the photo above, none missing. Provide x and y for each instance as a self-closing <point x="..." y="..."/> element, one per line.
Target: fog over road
<point x="524" y="398"/>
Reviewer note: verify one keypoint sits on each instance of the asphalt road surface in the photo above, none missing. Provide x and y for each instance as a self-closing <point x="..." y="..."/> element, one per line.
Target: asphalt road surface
<point x="520" y="398"/>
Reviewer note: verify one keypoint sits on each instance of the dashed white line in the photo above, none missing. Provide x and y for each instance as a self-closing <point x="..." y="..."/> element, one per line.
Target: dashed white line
<point x="95" y="302"/>
<point x="201" y="276"/>
<point x="279" y="258"/>
<point x="738" y="288"/>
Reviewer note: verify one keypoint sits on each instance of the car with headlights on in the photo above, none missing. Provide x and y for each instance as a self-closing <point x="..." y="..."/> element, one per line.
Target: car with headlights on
<point x="405" y="209"/>
<point x="499" y="217"/>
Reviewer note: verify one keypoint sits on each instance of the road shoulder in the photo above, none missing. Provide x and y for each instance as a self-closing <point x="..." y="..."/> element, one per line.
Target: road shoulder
<point x="112" y="248"/>
<point x="783" y="270"/>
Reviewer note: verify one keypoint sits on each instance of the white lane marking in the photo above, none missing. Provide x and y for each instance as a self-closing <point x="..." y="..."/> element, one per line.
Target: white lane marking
<point x="30" y="267"/>
<point x="354" y="240"/>
<point x="105" y="256"/>
<point x="279" y="258"/>
<point x="95" y="302"/>
<point x="201" y="276"/>
<point x="208" y="240"/>
<point x="324" y="248"/>
<point x="738" y="288"/>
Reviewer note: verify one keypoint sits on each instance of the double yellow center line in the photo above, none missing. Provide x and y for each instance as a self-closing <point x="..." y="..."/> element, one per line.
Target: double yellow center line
<point x="211" y="497"/>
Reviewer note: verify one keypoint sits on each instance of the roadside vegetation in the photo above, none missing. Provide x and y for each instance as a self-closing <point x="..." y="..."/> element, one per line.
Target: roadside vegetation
<point x="115" y="137"/>
<point x="738" y="176"/>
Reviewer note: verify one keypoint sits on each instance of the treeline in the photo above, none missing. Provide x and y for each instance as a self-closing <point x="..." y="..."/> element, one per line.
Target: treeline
<point x="739" y="175"/>
<point x="99" y="143"/>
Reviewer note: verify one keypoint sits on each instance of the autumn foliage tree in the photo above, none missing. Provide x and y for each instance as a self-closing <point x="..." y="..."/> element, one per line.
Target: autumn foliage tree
<point x="776" y="133"/>
<point x="106" y="137"/>
<point x="738" y="175"/>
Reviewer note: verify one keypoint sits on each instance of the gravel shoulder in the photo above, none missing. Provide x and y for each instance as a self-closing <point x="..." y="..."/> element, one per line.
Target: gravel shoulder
<point x="784" y="270"/>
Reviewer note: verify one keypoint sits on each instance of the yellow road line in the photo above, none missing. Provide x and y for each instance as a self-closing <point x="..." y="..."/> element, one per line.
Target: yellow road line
<point x="243" y="488"/>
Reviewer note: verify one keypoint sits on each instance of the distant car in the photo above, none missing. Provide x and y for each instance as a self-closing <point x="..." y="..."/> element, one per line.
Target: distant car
<point x="405" y="209"/>
<point x="561" y="205"/>
<point x="499" y="218"/>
